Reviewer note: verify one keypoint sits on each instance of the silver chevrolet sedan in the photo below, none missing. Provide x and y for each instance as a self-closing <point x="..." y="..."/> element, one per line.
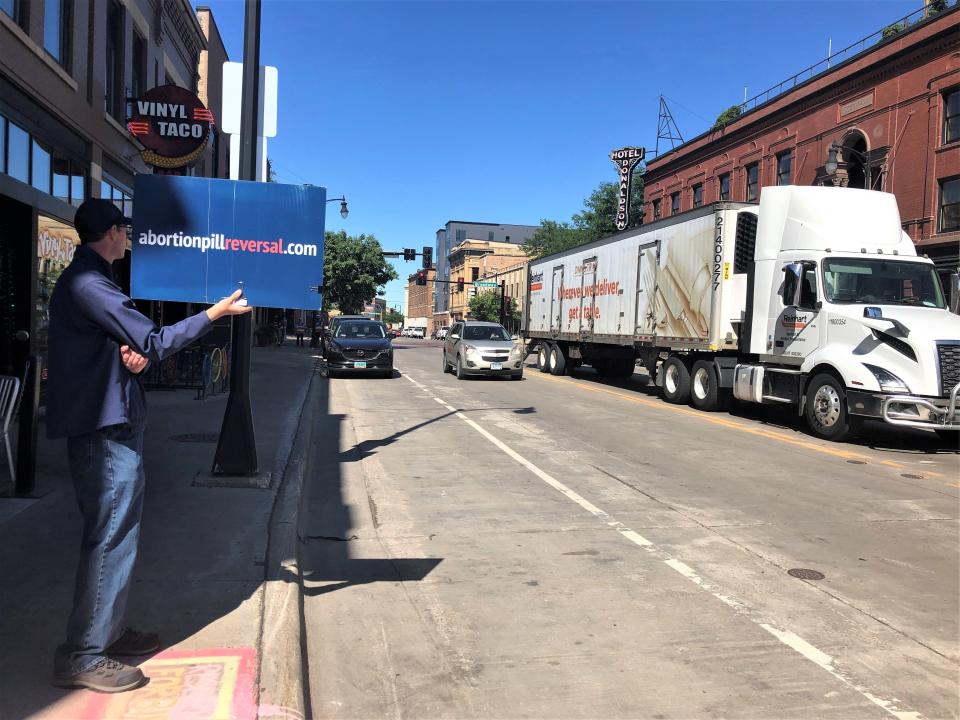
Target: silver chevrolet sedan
<point x="481" y="348"/>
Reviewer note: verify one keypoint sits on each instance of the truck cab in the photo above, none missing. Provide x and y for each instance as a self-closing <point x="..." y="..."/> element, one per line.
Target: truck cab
<point x="847" y="321"/>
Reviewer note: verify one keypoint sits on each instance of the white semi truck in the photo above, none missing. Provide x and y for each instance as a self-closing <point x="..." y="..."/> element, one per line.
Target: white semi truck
<point x="816" y="298"/>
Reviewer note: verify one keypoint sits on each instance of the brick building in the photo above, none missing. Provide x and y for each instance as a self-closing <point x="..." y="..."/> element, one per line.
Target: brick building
<point x="471" y="258"/>
<point x="420" y="301"/>
<point x="889" y="106"/>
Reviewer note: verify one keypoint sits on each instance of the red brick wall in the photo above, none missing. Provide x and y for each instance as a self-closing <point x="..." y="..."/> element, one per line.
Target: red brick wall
<point x="892" y="95"/>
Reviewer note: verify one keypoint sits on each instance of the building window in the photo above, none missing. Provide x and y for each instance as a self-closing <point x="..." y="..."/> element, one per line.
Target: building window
<point x="114" y="77"/>
<point x="490" y="235"/>
<point x="784" y="163"/>
<point x="753" y="172"/>
<point x="18" y="153"/>
<point x="40" y="167"/>
<point x="950" y="205"/>
<point x="57" y="24"/>
<point x="951" y="115"/>
<point x="461" y="235"/>
<point x="656" y="209"/>
<point x="674" y="203"/>
<point x="16" y="9"/>
<point x="474" y="273"/>
<point x="139" y="65"/>
<point x="698" y="195"/>
<point x="120" y="197"/>
<point x="725" y="187"/>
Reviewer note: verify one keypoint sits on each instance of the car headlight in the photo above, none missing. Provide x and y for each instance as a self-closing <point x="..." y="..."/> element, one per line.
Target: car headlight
<point x="471" y="351"/>
<point x="516" y="351"/>
<point x="888" y="381"/>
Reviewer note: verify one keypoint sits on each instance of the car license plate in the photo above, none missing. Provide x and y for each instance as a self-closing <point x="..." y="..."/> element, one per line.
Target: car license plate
<point x="360" y="364"/>
<point x="496" y="366"/>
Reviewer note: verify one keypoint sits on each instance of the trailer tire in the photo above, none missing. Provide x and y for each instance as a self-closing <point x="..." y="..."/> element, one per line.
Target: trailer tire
<point x="557" y="360"/>
<point x="705" y="391"/>
<point x="826" y="409"/>
<point x="676" y="381"/>
<point x="543" y="357"/>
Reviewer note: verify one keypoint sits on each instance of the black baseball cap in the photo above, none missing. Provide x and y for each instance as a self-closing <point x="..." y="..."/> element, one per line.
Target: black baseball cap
<point x="96" y="216"/>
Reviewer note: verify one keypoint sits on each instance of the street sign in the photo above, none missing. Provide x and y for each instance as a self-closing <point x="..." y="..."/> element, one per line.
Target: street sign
<point x="485" y="283"/>
<point x="195" y="239"/>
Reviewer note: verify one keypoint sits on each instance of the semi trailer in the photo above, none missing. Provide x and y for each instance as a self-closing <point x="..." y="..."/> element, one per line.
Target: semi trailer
<point x="815" y="298"/>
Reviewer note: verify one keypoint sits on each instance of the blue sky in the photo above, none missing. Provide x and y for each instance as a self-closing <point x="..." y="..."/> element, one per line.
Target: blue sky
<point x="423" y="112"/>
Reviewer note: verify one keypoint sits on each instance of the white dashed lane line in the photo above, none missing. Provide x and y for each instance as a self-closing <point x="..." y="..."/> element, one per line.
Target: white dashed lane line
<point x="788" y="638"/>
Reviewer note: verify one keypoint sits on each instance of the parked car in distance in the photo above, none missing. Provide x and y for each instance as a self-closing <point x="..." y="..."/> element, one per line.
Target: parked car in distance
<point x="418" y="332"/>
<point x="441" y="333"/>
<point x="481" y="348"/>
<point x="391" y="333"/>
<point x="332" y="328"/>
<point x="359" y="346"/>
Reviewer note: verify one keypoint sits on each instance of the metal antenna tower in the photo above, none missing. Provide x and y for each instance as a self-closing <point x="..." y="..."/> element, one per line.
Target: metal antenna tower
<point x="667" y="127"/>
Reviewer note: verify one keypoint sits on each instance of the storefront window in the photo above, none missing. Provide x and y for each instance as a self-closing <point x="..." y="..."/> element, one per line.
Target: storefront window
<point x="61" y="179"/>
<point x="18" y="153"/>
<point x="56" y="243"/>
<point x="41" y="167"/>
<point x="77" y="192"/>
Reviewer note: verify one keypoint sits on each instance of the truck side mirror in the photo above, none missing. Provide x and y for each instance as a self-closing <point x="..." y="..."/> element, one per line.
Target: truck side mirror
<point x="792" y="275"/>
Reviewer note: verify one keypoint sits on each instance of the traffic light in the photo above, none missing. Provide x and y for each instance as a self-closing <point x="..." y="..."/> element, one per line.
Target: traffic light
<point x="427" y="257"/>
<point x="459" y="284"/>
<point x="409" y="254"/>
<point x="421" y="277"/>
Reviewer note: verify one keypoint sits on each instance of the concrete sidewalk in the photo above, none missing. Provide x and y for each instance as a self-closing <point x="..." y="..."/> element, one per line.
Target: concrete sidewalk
<point x="200" y="574"/>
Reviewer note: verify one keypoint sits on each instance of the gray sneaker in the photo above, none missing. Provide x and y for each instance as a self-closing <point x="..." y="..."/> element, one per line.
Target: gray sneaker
<point x="107" y="676"/>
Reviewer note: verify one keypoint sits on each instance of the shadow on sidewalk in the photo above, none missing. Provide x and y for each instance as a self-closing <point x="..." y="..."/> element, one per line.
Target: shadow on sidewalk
<point x="202" y="552"/>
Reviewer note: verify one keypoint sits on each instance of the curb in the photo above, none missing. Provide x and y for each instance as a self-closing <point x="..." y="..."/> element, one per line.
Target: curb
<point x="283" y="661"/>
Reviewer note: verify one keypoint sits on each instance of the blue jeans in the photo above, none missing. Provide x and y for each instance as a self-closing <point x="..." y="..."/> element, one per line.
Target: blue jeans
<point x="106" y="467"/>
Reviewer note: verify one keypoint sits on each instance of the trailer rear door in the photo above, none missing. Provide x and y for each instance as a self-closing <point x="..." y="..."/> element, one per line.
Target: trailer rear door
<point x="556" y="300"/>
<point x="648" y="255"/>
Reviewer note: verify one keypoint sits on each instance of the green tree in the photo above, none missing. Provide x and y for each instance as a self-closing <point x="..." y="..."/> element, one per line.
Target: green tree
<point x="354" y="268"/>
<point x="392" y="317"/>
<point x="891" y="30"/>
<point x="485" y="306"/>
<point x="597" y="219"/>
<point x="727" y="117"/>
<point x="936" y="7"/>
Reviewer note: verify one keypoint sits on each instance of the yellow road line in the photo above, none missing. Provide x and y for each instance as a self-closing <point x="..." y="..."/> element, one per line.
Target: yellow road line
<point x="728" y="423"/>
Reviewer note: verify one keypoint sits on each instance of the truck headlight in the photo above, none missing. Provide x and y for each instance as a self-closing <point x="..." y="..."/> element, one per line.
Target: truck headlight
<point x="888" y="381"/>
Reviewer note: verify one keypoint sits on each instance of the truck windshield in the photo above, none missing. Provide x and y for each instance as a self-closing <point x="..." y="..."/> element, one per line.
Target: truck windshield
<point x="884" y="282"/>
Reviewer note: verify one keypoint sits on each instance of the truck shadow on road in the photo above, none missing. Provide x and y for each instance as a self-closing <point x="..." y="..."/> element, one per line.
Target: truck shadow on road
<point x="875" y="435"/>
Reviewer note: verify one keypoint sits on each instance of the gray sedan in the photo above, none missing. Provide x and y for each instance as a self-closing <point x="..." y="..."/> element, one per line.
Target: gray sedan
<point x="481" y="348"/>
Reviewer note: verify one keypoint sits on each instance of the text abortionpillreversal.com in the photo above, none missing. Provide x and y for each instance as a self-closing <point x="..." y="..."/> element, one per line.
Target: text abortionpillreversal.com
<point x="218" y="241"/>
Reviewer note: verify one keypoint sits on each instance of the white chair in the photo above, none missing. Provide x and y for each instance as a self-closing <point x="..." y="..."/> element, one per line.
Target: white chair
<point x="9" y="399"/>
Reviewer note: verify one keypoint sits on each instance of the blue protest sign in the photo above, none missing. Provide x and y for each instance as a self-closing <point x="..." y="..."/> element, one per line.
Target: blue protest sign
<point x="194" y="239"/>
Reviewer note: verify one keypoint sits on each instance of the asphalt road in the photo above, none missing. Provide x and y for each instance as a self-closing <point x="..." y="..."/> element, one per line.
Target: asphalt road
<point x="568" y="548"/>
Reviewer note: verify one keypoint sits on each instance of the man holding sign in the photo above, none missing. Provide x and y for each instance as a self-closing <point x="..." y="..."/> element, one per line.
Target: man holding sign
<point x="99" y="342"/>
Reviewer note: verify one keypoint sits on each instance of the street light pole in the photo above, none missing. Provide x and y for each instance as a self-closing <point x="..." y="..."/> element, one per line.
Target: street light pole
<point x="237" y="447"/>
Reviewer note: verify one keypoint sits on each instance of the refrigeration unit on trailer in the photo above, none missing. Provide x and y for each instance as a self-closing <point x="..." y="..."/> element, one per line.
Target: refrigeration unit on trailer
<point x="815" y="298"/>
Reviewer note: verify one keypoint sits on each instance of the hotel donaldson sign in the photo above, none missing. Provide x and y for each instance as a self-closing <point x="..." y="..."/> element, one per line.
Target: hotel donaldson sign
<point x="625" y="159"/>
<point x="172" y="125"/>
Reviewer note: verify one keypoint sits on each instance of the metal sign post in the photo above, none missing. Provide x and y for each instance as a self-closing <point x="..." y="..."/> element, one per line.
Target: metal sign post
<point x="237" y="447"/>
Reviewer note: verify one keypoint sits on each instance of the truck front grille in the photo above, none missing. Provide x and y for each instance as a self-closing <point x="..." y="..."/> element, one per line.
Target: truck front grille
<point x="949" y="366"/>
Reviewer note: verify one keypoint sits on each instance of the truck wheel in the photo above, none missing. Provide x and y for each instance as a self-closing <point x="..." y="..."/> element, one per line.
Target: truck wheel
<point x="558" y="361"/>
<point x="543" y="357"/>
<point x="705" y="386"/>
<point x="826" y="408"/>
<point x="676" y="381"/>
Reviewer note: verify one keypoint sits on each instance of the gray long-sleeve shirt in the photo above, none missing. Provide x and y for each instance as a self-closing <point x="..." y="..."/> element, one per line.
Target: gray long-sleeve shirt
<point x="88" y="386"/>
